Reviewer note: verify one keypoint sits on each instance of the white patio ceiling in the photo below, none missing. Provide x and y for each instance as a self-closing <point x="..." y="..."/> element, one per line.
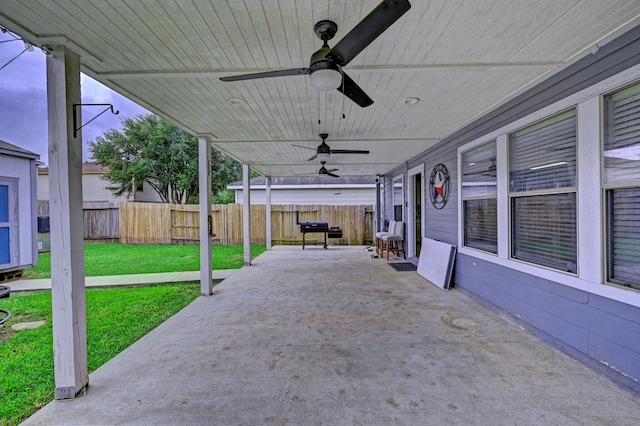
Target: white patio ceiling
<point x="461" y="58"/>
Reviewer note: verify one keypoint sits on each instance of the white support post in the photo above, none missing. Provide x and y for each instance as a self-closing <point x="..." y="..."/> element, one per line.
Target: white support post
<point x="206" y="232"/>
<point x="246" y="212"/>
<point x="378" y="208"/>
<point x="67" y="251"/>
<point x="268" y="211"/>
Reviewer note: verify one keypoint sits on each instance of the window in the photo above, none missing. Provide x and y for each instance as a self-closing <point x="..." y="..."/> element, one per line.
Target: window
<point x="479" y="205"/>
<point x="542" y="192"/>
<point x="398" y="200"/>
<point x="621" y="175"/>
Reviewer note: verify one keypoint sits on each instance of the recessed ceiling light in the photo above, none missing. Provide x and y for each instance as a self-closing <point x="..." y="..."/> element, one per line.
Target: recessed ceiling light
<point x="411" y="101"/>
<point x="235" y="101"/>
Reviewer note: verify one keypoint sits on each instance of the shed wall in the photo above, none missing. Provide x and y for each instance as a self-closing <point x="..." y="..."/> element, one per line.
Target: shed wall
<point x="24" y="170"/>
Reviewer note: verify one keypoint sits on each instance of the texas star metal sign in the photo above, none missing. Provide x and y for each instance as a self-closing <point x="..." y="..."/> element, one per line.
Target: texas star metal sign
<point x="439" y="186"/>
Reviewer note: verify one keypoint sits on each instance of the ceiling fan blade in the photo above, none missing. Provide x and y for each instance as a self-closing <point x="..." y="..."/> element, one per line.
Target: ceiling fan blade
<point x="266" y="74"/>
<point x="351" y="90"/>
<point x="331" y="174"/>
<point x="305" y="147"/>
<point x="363" y="34"/>
<point x="332" y="170"/>
<point x="313" y="158"/>
<point x="349" y="151"/>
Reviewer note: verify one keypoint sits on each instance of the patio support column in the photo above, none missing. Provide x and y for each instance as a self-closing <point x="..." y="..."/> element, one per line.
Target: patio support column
<point x="206" y="231"/>
<point x="67" y="251"/>
<point x="246" y="212"/>
<point x="378" y="207"/>
<point x="268" y="211"/>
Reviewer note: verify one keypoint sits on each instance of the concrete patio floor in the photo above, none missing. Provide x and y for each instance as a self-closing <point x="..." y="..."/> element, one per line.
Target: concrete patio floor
<point x="335" y="337"/>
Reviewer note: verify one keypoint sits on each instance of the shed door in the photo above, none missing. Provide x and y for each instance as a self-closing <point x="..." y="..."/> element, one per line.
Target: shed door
<point x="8" y="234"/>
<point x="5" y="242"/>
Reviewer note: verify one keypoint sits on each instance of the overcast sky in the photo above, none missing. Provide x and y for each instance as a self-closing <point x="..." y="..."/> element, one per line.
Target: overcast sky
<point x="23" y="101"/>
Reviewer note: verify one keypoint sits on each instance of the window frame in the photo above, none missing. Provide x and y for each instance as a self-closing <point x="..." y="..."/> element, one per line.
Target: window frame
<point x="464" y="199"/>
<point x="608" y="189"/>
<point x="512" y="195"/>
<point x="400" y="179"/>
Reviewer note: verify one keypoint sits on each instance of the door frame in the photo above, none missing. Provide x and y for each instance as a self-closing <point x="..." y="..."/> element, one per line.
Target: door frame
<point x="11" y="224"/>
<point x="410" y="237"/>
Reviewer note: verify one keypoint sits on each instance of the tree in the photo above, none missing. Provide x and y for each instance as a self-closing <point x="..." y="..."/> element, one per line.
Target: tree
<point x="150" y="149"/>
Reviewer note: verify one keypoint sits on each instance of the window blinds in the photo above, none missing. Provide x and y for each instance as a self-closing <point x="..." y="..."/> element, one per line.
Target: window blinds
<point x="543" y="156"/>
<point x="542" y="180"/>
<point x="479" y="190"/>
<point x="621" y="171"/>
<point x="481" y="224"/>
<point x="625" y="236"/>
<point x="622" y="136"/>
<point x="544" y="230"/>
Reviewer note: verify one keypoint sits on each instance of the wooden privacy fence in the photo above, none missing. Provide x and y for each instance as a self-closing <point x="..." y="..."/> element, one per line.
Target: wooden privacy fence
<point x="154" y="223"/>
<point x="101" y="219"/>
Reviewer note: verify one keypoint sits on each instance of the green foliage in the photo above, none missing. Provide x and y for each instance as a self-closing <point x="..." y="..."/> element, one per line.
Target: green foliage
<point x="116" y="318"/>
<point x="123" y="259"/>
<point x="226" y="196"/>
<point x="224" y="170"/>
<point x="152" y="150"/>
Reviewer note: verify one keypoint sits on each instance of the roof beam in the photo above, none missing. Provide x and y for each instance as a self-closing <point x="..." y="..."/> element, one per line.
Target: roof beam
<point x="472" y="66"/>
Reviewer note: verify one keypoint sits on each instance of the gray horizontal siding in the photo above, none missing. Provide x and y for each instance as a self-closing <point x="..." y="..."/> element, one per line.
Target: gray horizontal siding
<point x="442" y="224"/>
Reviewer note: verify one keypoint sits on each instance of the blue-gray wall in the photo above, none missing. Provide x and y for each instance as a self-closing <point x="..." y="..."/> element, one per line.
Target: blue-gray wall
<point x="600" y="332"/>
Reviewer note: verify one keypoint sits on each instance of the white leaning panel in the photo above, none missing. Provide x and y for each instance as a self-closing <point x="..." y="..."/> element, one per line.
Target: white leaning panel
<point x="436" y="262"/>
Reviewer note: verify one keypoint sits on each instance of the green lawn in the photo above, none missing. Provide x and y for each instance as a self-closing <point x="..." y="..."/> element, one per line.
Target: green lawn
<point x="122" y="259"/>
<point x="115" y="319"/>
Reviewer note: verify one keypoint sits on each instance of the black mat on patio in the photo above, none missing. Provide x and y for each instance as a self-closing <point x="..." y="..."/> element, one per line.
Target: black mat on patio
<point x="403" y="266"/>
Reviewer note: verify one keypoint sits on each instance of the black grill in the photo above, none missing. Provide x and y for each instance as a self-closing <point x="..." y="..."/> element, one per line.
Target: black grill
<point x="319" y="228"/>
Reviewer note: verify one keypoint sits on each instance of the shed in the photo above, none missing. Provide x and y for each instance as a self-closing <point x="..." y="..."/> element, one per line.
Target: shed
<point x="18" y="209"/>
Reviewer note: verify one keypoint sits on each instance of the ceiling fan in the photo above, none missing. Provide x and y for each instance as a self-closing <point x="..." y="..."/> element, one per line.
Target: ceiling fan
<point x="322" y="171"/>
<point x="325" y="67"/>
<point x="324" y="151"/>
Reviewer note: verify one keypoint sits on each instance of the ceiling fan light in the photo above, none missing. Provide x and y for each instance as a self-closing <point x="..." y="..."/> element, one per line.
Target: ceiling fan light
<point x="323" y="156"/>
<point x="326" y="79"/>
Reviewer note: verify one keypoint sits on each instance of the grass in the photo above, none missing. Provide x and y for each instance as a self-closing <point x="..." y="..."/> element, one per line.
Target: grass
<point x="115" y="319"/>
<point x="122" y="259"/>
